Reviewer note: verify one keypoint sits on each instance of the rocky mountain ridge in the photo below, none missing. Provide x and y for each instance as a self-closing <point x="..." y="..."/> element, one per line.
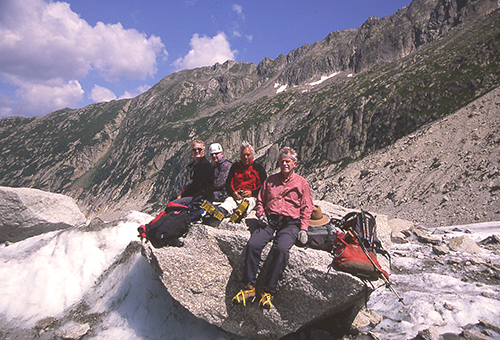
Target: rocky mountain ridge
<point x="131" y="154"/>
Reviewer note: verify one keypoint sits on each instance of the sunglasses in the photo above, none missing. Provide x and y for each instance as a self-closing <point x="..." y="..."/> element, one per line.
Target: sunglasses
<point x="197" y="150"/>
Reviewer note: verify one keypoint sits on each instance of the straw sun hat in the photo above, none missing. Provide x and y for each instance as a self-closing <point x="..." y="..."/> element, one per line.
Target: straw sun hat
<point x="317" y="217"/>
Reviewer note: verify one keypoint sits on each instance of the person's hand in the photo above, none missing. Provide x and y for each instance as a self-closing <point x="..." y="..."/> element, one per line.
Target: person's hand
<point x="302" y="237"/>
<point x="237" y="196"/>
<point x="246" y="193"/>
<point x="263" y="222"/>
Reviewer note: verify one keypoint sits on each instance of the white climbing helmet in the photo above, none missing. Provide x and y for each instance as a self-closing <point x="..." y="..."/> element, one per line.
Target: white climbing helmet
<point x="215" y="148"/>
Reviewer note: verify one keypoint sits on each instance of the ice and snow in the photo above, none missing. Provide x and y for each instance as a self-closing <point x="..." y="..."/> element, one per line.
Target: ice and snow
<point x="281" y="88"/>
<point x="323" y="78"/>
<point x="52" y="274"/>
<point x="433" y="297"/>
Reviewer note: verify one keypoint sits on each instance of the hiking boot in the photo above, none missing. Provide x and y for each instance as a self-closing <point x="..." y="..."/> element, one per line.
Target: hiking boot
<point x="265" y="300"/>
<point x="244" y="295"/>
<point x="211" y="221"/>
<point x="213" y="211"/>
<point x="239" y="213"/>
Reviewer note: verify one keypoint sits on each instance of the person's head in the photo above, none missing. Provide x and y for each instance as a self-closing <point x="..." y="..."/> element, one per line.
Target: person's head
<point x="287" y="160"/>
<point x="216" y="152"/>
<point x="246" y="153"/>
<point x="198" y="149"/>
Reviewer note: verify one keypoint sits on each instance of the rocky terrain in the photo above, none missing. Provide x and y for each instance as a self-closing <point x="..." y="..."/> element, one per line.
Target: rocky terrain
<point x="385" y="80"/>
<point x="28" y="212"/>
<point x="205" y="274"/>
<point x="448" y="279"/>
<point x="445" y="173"/>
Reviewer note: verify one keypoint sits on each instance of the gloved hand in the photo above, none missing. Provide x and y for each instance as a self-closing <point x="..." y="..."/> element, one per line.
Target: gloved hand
<point x="263" y="222"/>
<point x="302" y="237"/>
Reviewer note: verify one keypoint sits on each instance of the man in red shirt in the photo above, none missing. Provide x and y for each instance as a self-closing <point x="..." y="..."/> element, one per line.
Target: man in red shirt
<point x="242" y="185"/>
<point x="284" y="207"/>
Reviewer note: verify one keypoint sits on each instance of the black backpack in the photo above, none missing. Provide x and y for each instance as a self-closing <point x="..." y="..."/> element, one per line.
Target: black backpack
<point x="166" y="228"/>
<point x="322" y="237"/>
<point x="364" y="226"/>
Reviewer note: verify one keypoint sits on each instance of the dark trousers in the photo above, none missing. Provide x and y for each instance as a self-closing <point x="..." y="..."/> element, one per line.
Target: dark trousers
<point x="285" y="234"/>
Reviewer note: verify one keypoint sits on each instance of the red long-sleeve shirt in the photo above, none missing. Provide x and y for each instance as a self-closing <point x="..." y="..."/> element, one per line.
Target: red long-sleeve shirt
<point x="245" y="177"/>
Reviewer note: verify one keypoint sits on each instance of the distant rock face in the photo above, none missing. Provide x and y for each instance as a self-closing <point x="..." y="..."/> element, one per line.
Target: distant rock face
<point x="445" y="173"/>
<point x="28" y="212"/>
<point x="205" y="274"/>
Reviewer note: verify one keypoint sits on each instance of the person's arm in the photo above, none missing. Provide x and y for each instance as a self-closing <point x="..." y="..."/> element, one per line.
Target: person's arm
<point x="261" y="199"/>
<point x="229" y="187"/>
<point x="262" y="177"/>
<point x="306" y="206"/>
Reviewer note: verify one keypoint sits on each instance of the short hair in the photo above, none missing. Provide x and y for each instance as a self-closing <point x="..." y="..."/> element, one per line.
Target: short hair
<point x="246" y="145"/>
<point x="289" y="151"/>
<point x="197" y="141"/>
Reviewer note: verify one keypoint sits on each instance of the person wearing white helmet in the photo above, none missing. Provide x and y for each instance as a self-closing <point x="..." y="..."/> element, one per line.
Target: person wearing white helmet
<point x="221" y="171"/>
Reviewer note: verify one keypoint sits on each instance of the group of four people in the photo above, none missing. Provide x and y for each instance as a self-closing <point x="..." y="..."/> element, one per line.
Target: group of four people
<point x="282" y="202"/>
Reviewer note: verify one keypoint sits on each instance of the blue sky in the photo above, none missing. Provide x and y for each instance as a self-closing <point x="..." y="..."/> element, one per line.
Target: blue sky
<point x="76" y="52"/>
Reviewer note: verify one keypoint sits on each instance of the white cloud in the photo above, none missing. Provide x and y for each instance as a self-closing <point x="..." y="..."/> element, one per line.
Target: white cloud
<point x="47" y="40"/>
<point x="38" y="98"/>
<point x="136" y="92"/>
<point x="206" y="51"/>
<point x="238" y="9"/>
<point x="124" y="53"/>
<point x="236" y="24"/>
<point x="41" y="41"/>
<point x="5" y="106"/>
<point x="101" y="94"/>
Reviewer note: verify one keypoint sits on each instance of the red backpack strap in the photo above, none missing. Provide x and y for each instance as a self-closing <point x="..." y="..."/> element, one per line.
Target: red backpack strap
<point x="176" y="206"/>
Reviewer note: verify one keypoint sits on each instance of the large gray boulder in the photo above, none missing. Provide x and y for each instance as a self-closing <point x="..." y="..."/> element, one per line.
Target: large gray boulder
<point x="205" y="274"/>
<point x="28" y="212"/>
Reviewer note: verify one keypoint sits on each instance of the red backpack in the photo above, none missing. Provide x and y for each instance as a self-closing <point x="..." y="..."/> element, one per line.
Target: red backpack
<point x="355" y="251"/>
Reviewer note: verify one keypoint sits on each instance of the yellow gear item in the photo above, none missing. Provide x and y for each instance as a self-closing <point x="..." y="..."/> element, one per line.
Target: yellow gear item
<point x="265" y="301"/>
<point x="210" y="209"/>
<point x="245" y="294"/>
<point x="239" y="212"/>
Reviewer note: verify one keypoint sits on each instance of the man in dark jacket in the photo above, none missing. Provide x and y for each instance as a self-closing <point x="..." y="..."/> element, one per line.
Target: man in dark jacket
<point x="221" y="170"/>
<point x="242" y="185"/>
<point x="201" y="177"/>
